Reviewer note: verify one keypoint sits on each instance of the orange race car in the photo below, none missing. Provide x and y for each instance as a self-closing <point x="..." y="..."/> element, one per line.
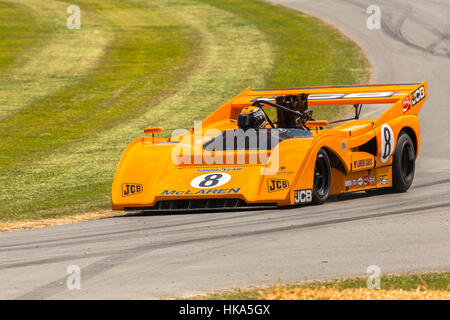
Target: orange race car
<point x="245" y="155"/>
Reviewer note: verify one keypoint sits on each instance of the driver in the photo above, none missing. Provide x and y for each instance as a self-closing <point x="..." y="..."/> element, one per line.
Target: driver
<point x="251" y="118"/>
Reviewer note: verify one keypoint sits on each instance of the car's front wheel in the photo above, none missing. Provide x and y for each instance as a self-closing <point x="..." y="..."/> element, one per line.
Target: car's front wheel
<point x="322" y="178"/>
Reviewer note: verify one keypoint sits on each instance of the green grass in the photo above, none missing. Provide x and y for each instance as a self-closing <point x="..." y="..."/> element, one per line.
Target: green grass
<point x="55" y="57"/>
<point x="127" y="78"/>
<point x="19" y="30"/>
<point x="308" y="51"/>
<point x="76" y="100"/>
<point x="409" y="282"/>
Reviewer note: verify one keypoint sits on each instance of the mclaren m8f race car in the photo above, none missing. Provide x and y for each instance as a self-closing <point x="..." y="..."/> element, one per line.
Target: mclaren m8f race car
<point x="264" y="148"/>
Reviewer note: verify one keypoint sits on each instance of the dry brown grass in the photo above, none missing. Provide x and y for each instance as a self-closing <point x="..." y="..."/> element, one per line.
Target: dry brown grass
<point x="9" y="226"/>
<point x="282" y="293"/>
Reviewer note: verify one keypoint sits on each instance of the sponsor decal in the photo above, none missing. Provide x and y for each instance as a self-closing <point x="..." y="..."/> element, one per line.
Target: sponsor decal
<point x="360" y="181"/>
<point x="355" y="95"/>
<point x="366" y="180"/>
<point x="285" y="173"/>
<point x="199" y="192"/>
<point x="303" y="196"/>
<point x="277" y="184"/>
<point x="354" y="182"/>
<point x="129" y="189"/>
<point x="210" y="180"/>
<point x="387" y="142"/>
<point x="406" y="103"/>
<point x="418" y="95"/>
<point x="361" y="95"/>
<point x="348" y="183"/>
<point x="218" y="170"/>
<point x="384" y="181"/>
<point x="363" y="163"/>
<point x="282" y="172"/>
<point x="372" y="180"/>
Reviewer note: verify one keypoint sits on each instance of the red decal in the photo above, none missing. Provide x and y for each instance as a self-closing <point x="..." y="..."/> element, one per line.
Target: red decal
<point x="406" y="104"/>
<point x="366" y="180"/>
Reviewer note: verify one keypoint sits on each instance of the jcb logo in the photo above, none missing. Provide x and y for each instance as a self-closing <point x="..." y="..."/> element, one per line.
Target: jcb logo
<point x="129" y="189"/>
<point x="418" y="95"/>
<point x="303" y="196"/>
<point x="277" y="184"/>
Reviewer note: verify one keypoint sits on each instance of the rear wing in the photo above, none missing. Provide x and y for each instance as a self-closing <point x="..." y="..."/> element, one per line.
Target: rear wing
<point x="346" y="94"/>
<point x="407" y="98"/>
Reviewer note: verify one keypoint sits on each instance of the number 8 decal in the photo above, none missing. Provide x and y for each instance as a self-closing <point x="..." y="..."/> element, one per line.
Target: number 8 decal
<point x="210" y="180"/>
<point x="387" y="142"/>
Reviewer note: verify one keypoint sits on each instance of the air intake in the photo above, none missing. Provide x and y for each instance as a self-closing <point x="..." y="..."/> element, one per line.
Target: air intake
<point x="202" y="204"/>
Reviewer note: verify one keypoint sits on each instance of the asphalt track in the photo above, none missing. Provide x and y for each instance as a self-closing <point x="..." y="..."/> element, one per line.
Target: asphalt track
<point x="179" y="255"/>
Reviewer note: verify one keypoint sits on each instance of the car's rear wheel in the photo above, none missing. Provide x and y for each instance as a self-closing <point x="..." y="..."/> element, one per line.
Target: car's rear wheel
<point x="403" y="166"/>
<point x="322" y="178"/>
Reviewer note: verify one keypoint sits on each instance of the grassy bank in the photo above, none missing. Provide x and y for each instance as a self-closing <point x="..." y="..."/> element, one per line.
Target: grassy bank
<point x="77" y="97"/>
<point x="411" y="286"/>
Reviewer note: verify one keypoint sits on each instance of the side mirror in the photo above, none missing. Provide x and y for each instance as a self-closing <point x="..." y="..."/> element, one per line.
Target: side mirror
<point x="316" y="124"/>
<point x="153" y="130"/>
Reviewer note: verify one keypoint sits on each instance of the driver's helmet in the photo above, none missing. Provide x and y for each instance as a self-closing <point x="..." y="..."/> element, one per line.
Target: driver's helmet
<point x="251" y="118"/>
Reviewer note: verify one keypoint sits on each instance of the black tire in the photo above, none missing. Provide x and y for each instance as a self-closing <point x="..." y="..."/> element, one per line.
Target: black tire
<point x="403" y="166"/>
<point x="322" y="178"/>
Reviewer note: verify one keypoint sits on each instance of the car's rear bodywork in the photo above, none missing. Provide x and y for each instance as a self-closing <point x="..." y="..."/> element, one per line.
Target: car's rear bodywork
<point x="200" y="170"/>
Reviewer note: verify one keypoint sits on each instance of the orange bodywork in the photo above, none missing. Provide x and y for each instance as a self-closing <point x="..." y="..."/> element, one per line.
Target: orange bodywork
<point x="150" y="170"/>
